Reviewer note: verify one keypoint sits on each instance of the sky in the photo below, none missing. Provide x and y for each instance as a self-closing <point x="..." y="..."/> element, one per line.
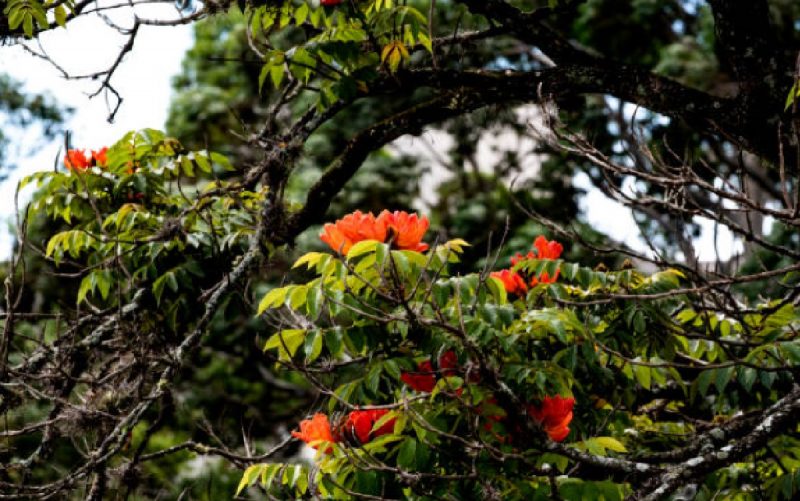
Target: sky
<point x="144" y="81"/>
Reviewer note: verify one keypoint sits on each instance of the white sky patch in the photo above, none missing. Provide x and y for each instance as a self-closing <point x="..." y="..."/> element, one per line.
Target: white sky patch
<point x="88" y="45"/>
<point x="608" y="216"/>
<point x="615" y="220"/>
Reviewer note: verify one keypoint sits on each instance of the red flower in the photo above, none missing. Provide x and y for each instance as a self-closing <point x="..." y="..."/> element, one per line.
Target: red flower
<point x="403" y="230"/>
<point x="406" y="230"/>
<point x="359" y="425"/>
<point x="315" y="430"/>
<point x="353" y="228"/>
<point x="448" y="363"/>
<point x="99" y="157"/>
<point x="544" y="278"/>
<point x="554" y="416"/>
<point x="333" y="236"/>
<point x="512" y="281"/>
<point x="76" y="159"/>
<point x="330" y="3"/>
<point x="545" y="249"/>
<point x="519" y="257"/>
<point x="423" y="379"/>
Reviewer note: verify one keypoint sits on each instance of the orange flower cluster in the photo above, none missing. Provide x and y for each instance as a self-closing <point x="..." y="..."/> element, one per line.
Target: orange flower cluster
<point x="424" y="379"/>
<point x="357" y="427"/>
<point x="315" y="430"/>
<point x="554" y="416"/>
<point x="77" y="159"/>
<point x="512" y="281"/>
<point x="516" y="282"/>
<point x="403" y="230"/>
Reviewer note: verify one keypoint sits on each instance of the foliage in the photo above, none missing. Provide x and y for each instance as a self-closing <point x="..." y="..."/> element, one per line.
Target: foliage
<point x="367" y="318"/>
<point x="177" y="343"/>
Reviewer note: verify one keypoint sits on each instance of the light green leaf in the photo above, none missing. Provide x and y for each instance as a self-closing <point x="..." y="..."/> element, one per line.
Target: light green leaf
<point x="286" y="342"/>
<point x="362" y="247"/>
<point x="273" y="299"/>
<point x="610" y="443"/>
<point x="310" y="259"/>
<point x="250" y="475"/>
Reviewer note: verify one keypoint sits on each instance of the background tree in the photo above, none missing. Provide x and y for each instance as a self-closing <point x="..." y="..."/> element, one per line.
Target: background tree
<point x="684" y="381"/>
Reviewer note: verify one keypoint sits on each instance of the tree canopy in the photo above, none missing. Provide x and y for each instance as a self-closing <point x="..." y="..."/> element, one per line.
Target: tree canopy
<point x="279" y="298"/>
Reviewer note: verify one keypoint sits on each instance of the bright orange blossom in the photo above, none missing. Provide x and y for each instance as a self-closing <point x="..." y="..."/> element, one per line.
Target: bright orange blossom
<point x="315" y="430"/>
<point x="403" y="230"/>
<point x="554" y="416"/>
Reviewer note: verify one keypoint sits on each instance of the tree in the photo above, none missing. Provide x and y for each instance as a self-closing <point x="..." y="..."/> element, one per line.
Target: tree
<point x="21" y="110"/>
<point x="421" y="376"/>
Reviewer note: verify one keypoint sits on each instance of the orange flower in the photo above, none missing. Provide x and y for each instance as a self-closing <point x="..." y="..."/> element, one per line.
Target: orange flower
<point x="423" y="379"/>
<point x="512" y="281"/>
<point x="545" y="249"/>
<point x="554" y="416"/>
<point x="359" y="425"/>
<point x="76" y="159"/>
<point x="315" y="430"/>
<point x="341" y="235"/>
<point x="406" y="230"/>
<point x="519" y="257"/>
<point x="99" y="157"/>
<point x="359" y="226"/>
<point x="333" y="236"/>
<point x="544" y="278"/>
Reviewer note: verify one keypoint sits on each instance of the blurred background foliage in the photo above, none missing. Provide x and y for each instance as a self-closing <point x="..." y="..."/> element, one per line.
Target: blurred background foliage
<point x="231" y="392"/>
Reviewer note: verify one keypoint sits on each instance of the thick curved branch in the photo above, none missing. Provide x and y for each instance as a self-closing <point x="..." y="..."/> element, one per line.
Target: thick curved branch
<point x="753" y="125"/>
<point x="468" y="91"/>
<point x="746" y="41"/>
<point x="776" y="420"/>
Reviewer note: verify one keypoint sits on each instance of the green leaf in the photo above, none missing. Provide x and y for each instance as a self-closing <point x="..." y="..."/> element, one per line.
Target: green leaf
<point x="298" y="296"/>
<point x="286" y="342"/>
<point x="723" y="376"/>
<point x="793" y="93"/>
<point x="362" y="247"/>
<point x="104" y="281"/>
<point x="791" y="349"/>
<point x="61" y="15"/>
<point x="272" y="299"/>
<point x="276" y="73"/>
<point x="27" y="25"/>
<point x="367" y="482"/>
<point x="301" y="13"/>
<point x="87" y="286"/>
<point x="642" y="374"/>
<point x="610" y="443"/>
<point x="313" y="345"/>
<point x="310" y="259"/>
<point x="703" y="381"/>
<point x="407" y="455"/>
<point x="747" y="376"/>
<point x="249" y="476"/>
<point x="393" y="54"/>
<point x="374" y="378"/>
